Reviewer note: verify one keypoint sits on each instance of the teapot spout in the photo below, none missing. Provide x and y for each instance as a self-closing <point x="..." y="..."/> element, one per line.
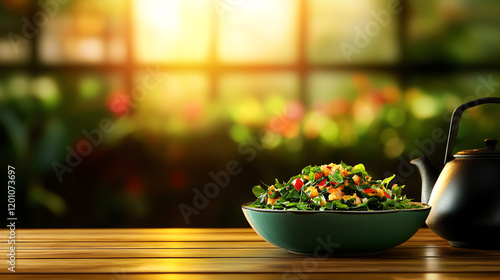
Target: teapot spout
<point x="429" y="175"/>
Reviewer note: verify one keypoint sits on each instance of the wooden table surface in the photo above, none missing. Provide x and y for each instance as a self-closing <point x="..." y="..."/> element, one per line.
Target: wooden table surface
<point x="129" y="254"/>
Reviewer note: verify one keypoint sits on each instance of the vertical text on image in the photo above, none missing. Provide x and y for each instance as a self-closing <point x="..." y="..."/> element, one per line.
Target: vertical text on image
<point x="11" y="218"/>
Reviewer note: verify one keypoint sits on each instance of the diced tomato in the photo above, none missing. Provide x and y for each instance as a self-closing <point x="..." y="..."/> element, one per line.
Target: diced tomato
<point x="318" y="175"/>
<point x="271" y="190"/>
<point x="357" y="180"/>
<point x="322" y="183"/>
<point x="368" y="190"/>
<point x="273" y="200"/>
<point x="381" y="193"/>
<point x="297" y="184"/>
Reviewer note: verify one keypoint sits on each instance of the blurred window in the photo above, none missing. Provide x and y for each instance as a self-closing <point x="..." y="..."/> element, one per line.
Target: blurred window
<point x="348" y="66"/>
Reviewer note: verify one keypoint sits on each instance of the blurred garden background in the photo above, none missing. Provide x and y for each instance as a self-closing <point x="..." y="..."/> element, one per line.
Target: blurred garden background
<point x="115" y="112"/>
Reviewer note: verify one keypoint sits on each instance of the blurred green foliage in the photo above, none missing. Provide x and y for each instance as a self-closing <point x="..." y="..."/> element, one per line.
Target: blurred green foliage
<point x="165" y="137"/>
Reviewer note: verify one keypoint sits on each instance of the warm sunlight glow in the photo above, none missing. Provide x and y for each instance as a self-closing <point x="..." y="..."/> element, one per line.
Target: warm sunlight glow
<point x="160" y="13"/>
<point x="172" y="30"/>
<point x="259" y="31"/>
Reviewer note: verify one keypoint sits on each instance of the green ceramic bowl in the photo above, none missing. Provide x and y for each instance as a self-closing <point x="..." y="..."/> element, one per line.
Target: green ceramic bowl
<point x="334" y="232"/>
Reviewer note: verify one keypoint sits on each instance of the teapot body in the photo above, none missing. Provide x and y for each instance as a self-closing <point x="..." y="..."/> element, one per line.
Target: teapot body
<point x="466" y="203"/>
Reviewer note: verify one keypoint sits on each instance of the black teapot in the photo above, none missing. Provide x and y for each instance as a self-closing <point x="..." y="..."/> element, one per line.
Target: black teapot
<point x="465" y="194"/>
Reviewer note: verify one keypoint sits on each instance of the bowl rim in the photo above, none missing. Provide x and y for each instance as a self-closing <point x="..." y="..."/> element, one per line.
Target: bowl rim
<point x="426" y="207"/>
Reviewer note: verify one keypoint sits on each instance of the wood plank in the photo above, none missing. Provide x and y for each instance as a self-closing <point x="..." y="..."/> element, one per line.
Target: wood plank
<point x="164" y="234"/>
<point x="150" y="253"/>
<point x="178" y="245"/>
<point x="270" y="252"/>
<point x="159" y="235"/>
<point x="252" y="265"/>
<point x="140" y="244"/>
<point x="120" y="252"/>
<point x="118" y="275"/>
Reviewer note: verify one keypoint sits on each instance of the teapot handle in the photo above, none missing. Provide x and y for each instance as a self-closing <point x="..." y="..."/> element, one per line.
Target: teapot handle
<point x="455" y="122"/>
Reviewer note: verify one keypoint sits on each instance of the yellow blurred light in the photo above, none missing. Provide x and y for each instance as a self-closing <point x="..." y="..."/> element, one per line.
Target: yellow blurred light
<point x="348" y="135"/>
<point x="18" y="86"/>
<point x="422" y="106"/>
<point x="364" y="112"/>
<point x="160" y="13"/>
<point x="394" y="147"/>
<point x="294" y="144"/>
<point x="387" y="134"/>
<point x="275" y="104"/>
<point x="239" y="133"/>
<point x="313" y="124"/>
<point x="123" y="127"/>
<point x="90" y="87"/>
<point x="248" y="112"/>
<point x="175" y="126"/>
<point x="258" y="31"/>
<point x="271" y="140"/>
<point x="395" y="116"/>
<point x="47" y="91"/>
<point x="318" y="125"/>
<point x="172" y="30"/>
<point x="330" y="132"/>
<point x="89" y="23"/>
<point x="90" y="49"/>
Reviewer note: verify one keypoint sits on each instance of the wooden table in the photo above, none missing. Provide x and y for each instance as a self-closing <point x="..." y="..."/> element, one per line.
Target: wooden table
<point x="134" y="254"/>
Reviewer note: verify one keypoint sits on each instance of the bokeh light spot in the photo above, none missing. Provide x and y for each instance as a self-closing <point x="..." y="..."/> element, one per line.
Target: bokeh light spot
<point x="395" y="116"/>
<point x="422" y="106"/>
<point x="329" y="132"/>
<point x="19" y="86"/>
<point x="271" y="140"/>
<point x="89" y="87"/>
<point x="394" y="147"/>
<point x="294" y="144"/>
<point x="388" y="134"/>
<point x="275" y="103"/>
<point x="46" y="89"/>
<point x="239" y="133"/>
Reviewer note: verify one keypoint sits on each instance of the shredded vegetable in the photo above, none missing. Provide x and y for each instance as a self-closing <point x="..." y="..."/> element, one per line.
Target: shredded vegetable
<point x="332" y="187"/>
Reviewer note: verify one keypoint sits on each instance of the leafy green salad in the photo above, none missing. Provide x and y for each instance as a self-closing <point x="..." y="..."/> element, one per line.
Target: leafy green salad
<point x="332" y="187"/>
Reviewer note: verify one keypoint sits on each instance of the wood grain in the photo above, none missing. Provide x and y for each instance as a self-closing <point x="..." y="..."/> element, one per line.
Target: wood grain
<point x="252" y="265"/>
<point x="171" y="234"/>
<point x="259" y="276"/>
<point x="226" y="254"/>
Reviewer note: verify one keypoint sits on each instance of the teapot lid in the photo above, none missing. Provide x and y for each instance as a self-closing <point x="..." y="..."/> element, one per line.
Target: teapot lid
<point x="490" y="150"/>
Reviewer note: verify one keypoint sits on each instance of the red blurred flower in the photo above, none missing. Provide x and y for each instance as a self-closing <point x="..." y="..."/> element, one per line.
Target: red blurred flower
<point x="119" y="103"/>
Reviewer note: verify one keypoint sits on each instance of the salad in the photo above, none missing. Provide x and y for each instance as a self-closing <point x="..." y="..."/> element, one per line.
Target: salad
<point x="332" y="187"/>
